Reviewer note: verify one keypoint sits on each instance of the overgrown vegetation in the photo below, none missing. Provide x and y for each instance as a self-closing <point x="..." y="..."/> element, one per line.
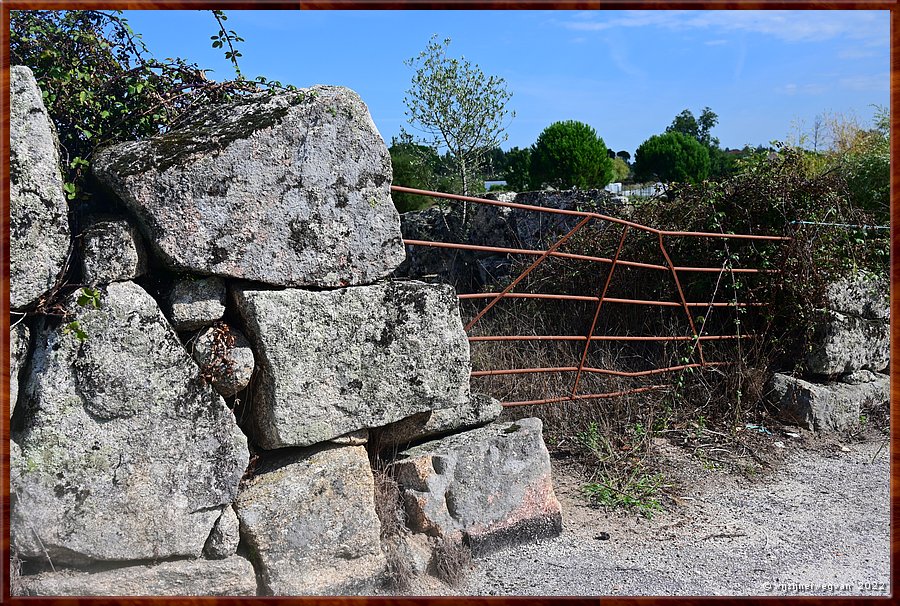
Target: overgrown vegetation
<point x="792" y="193"/>
<point x="101" y="84"/>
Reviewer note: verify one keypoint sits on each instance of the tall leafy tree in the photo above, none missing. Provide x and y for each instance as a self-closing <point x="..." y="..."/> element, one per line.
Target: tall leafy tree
<point x="698" y="128"/>
<point x="458" y="107"/>
<point x="570" y="154"/>
<point x="671" y="157"/>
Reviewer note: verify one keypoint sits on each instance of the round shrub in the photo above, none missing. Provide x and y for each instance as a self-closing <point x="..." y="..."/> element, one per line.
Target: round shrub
<point x="570" y="154"/>
<point x="671" y="157"/>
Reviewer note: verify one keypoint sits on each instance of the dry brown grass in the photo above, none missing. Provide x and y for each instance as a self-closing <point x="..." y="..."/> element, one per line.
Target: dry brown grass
<point x="452" y="560"/>
<point x="392" y="516"/>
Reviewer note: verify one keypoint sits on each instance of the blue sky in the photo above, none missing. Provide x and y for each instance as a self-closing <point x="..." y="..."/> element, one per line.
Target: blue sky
<point x="626" y="73"/>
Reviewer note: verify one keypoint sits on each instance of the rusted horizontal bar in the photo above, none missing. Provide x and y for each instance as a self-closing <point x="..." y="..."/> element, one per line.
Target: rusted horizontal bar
<point x="578" y="213"/>
<point x="540" y="209"/>
<point x="528" y="251"/>
<point x="602" y="371"/>
<point x="594" y="396"/>
<point x="604" y="338"/>
<point x="525" y="295"/>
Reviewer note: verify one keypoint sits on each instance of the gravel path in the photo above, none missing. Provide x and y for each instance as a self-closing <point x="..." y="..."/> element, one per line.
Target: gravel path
<point x="819" y="525"/>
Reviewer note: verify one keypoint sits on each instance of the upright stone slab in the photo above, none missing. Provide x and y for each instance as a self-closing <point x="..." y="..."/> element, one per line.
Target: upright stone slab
<point x="38" y="215"/>
<point x="125" y="453"/>
<point x="233" y="576"/>
<point x="289" y="189"/>
<point x="856" y="332"/>
<point x="333" y="362"/>
<point x="309" y="521"/>
<point x="490" y="486"/>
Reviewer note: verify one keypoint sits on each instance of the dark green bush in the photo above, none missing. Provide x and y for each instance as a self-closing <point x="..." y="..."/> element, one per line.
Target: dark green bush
<point x="569" y="154"/>
<point x="671" y="157"/>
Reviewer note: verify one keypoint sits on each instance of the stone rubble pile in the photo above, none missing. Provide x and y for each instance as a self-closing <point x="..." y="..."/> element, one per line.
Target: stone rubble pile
<point x="211" y="412"/>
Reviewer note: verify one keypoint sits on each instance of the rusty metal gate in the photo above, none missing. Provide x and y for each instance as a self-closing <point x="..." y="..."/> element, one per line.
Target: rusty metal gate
<point x="579" y="366"/>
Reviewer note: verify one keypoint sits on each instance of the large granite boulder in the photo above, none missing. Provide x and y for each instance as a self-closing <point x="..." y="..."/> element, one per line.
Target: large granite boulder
<point x="490" y="487"/>
<point x="111" y="251"/>
<point x="228" y="577"/>
<point x="856" y="332"/>
<point x="833" y="406"/>
<point x="309" y="520"/>
<point x="125" y="453"/>
<point x="19" y="342"/>
<point x="38" y="215"/>
<point x="333" y="362"/>
<point x="479" y="410"/>
<point x="289" y="189"/>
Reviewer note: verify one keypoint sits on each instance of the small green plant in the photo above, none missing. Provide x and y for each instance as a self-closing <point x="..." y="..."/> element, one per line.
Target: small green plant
<point x="74" y="328"/>
<point x="592" y="440"/>
<point x="635" y="492"/>
<point x="89" y="297"/>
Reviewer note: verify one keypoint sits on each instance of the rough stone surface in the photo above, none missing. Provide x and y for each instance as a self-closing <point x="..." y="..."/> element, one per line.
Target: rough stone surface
<point x="856" y="333"/>
<point x="333" y="362"/>
<point x="38" y="225"/>
<point x="125" y="454"/>
<point x="866" y="298"/>
<point x="225" y="536"/>
<point x="224" y="354"/>
<point x="19" y="341"/>
<point x="111" y="251"/>
<point x="228" y="577"/>
<point x="477" y="411"/>
<point x="196" y="303"/>
<point x="308" y="518"/>
<point x="823" y="407"/>
<point x="491" y="487"/>
<point x="289" y="189"/>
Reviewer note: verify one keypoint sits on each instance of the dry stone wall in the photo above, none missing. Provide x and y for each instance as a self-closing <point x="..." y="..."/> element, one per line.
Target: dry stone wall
<point x="207" y="411"/>
<point x="848" y="361"/>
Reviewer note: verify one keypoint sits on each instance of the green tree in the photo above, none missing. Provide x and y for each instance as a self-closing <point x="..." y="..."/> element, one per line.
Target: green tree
<point x="620" y="170"/>
<point x="865" y="163"/>
<point x="671" y="157"/>
<point x="720" y="163"/>
<point x="460" y="108"/>
<point x="518" y="169"/>
<point x="570" y="154"/>
<point x="698" y="128"/>
<point x="414" y="166"/>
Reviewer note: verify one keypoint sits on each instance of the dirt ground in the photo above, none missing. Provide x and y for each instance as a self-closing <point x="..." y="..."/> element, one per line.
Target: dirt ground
<point x="814" y="522"/>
